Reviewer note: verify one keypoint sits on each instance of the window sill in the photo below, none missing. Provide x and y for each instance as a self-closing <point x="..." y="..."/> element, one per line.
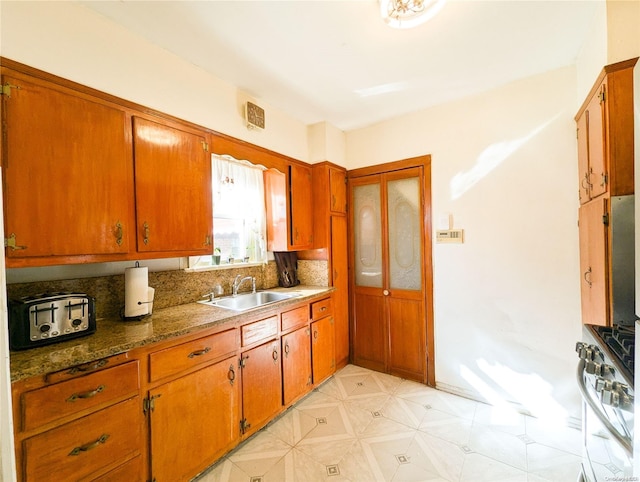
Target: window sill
<point x="197" y="269"/>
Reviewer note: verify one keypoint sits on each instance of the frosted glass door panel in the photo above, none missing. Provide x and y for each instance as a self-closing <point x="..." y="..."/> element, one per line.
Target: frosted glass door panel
<point x="403" y="209"/>
<point x="368" y="235"/>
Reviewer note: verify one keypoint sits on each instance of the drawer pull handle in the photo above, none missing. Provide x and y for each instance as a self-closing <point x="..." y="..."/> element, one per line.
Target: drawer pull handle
<point x="84" y="395"/>
<point x="324" y="308"/>
<point x="88" y="367"/>
<point x="196" y="353"/>
<point x="90" y="446"/>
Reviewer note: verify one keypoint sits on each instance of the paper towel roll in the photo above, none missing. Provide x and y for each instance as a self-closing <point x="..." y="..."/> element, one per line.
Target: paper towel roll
<point x="136" y="293"/>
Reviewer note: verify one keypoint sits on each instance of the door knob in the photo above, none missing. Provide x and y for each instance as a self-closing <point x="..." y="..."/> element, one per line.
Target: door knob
<point x="385" y="292"/>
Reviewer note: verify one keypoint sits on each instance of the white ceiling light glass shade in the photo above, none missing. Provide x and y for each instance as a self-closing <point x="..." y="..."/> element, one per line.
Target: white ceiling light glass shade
<point x="409" y="13"/>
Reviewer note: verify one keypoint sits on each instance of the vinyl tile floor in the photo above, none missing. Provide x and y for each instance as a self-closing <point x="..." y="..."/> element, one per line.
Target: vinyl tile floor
<point x="363" y="426"/>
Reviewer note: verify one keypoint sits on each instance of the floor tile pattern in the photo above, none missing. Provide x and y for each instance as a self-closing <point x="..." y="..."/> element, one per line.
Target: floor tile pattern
<point x="363" y="426"/>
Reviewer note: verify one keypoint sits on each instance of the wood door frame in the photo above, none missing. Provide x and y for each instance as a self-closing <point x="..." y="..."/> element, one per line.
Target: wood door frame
<point x="423" y="162"/>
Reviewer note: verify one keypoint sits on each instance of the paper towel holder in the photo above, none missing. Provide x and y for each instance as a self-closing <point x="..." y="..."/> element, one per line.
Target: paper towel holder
<point x="139" y="284"/>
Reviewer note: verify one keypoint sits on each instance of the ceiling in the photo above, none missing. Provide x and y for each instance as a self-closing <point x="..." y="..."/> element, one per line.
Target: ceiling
<point x="337" y="61"/>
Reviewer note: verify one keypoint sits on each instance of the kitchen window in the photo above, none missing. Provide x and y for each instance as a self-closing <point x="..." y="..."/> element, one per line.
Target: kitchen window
<point x="239" y="215"/>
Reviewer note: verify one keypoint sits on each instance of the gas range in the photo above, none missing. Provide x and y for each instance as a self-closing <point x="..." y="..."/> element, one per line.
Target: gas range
<point x="619" y="344"/>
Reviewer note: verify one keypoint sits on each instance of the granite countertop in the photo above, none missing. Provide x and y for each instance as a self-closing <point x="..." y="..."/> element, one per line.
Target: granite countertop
<point x="114" y="336"/>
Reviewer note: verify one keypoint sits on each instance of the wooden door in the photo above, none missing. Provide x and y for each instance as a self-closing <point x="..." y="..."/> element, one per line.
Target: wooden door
<point x="340" y="281"/>
<point x="261" y="385"/>
<point x="322" y="348"/>
<point x="597" y="143"/>
<point x="68" y="173"/>
<point x="593" y="262"/>
<point x="194" y="420"/>
<point x="275" y="189"/>
<point x="301" y="234"/>
<point x="390" y="265"/>
<point x="296" y="364"/>
<point x="173" y="189"/>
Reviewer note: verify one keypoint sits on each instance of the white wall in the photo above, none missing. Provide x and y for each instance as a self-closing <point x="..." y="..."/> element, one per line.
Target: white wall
<point x="69" y="40"/>
<point x="623" y="23"/>
<point x="507" y="312"/>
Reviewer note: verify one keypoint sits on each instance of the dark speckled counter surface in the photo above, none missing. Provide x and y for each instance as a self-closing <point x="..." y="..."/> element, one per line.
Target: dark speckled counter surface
<point x="114" y="336"/>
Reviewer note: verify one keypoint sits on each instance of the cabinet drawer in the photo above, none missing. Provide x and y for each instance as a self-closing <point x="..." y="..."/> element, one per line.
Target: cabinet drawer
<point x="86" y="446"/>
<point x="259" y="330"/>
<point x="320" y="309"/>
<point x="294" y="318"/>
<point x="66" y="398"/>
<point x="178" y="358"/>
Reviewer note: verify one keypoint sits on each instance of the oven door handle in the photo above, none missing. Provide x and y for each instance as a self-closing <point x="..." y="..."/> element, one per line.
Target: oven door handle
<point x="624" y="441"/>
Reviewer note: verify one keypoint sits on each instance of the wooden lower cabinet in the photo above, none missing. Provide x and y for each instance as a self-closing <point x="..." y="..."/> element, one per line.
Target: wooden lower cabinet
<point x="296" y="364"/>
<point x="322" y="349"/>
<point x="85" y="447"/>
<point x="193" y="421"/>
<point x="261" y="386"/>
<point x="165" y="412"/>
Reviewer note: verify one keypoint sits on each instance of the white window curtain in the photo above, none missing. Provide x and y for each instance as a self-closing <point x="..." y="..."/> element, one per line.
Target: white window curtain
<point x="238" y="193"/>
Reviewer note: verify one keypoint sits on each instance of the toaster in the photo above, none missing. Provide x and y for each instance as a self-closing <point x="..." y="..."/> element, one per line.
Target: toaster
<point x="49" y="318"/>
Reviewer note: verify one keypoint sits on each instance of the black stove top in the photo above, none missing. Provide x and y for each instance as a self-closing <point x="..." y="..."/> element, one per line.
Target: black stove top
<point x="620" y="341"/>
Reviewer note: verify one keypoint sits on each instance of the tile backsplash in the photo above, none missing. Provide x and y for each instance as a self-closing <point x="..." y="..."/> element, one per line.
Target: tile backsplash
<point x="175" y="287"/>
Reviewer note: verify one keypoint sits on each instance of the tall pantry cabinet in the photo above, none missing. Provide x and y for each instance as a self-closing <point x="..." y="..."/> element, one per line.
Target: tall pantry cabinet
<point x="330" y="237"/>
<point x="606" y="182"/>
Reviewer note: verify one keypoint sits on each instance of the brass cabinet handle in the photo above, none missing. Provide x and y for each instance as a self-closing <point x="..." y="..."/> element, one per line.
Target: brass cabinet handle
<point x="87" y="367"/>
<point x="207" y="240"/>
<point x="231" y="375"/>
<point x="286" y="349"/>
<point x="196" y="353"/>
<point x="119" y="233"/>
<point x="90" y="446"/>
<point x="145" y="228"/>
<point x="587" y="277"/>
<point x="315" y="334"/>
<point x="274" y="355"/>
<point x="85" y="395"/>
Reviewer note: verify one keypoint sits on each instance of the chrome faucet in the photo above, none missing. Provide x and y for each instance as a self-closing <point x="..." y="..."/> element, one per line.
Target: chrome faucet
<point x="239" y="280"/>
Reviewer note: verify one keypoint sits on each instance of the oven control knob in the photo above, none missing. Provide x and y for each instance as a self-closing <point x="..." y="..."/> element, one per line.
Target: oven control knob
<point x="602" y="385"/>
<point x="604" y="370"/>
<point x="45" y="328"/>
<point x="76" y="322"/>
<point x="592" y="367"/>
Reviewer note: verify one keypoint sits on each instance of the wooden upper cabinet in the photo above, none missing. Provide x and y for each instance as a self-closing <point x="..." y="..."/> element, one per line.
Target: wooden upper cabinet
<point x="289" y="209"/>
<point x="301" y="215"/>
<point x="605" y="134"/>
<point x="68" y="178"/>
<point x="173" y="189"/>
<point x="338" y="190"/>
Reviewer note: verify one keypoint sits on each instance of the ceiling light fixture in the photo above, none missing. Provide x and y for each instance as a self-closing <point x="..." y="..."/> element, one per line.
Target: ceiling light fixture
<point x="409" y="13"/>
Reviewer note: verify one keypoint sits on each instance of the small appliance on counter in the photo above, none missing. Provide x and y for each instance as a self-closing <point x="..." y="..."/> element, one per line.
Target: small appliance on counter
<point x="50" y="318"/>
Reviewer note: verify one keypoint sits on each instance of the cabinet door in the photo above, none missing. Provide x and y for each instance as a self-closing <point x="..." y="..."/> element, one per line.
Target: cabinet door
<point x="275" y="188"/>
<point x="597" y="142"/>
<point x="194" y="420"/>
<point x="261" y="385"/>
<point x="340" y="281"/>
<point x="584" y="192"/>
<point x="593" y="262"/>
<point x="322" y="349"/>
<point x="68" y="173"/>
<point x="338" y="191"/>
<point x="173" y="189"/>
<point x="301" y="207"/>
<point x="296" y="364"/>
